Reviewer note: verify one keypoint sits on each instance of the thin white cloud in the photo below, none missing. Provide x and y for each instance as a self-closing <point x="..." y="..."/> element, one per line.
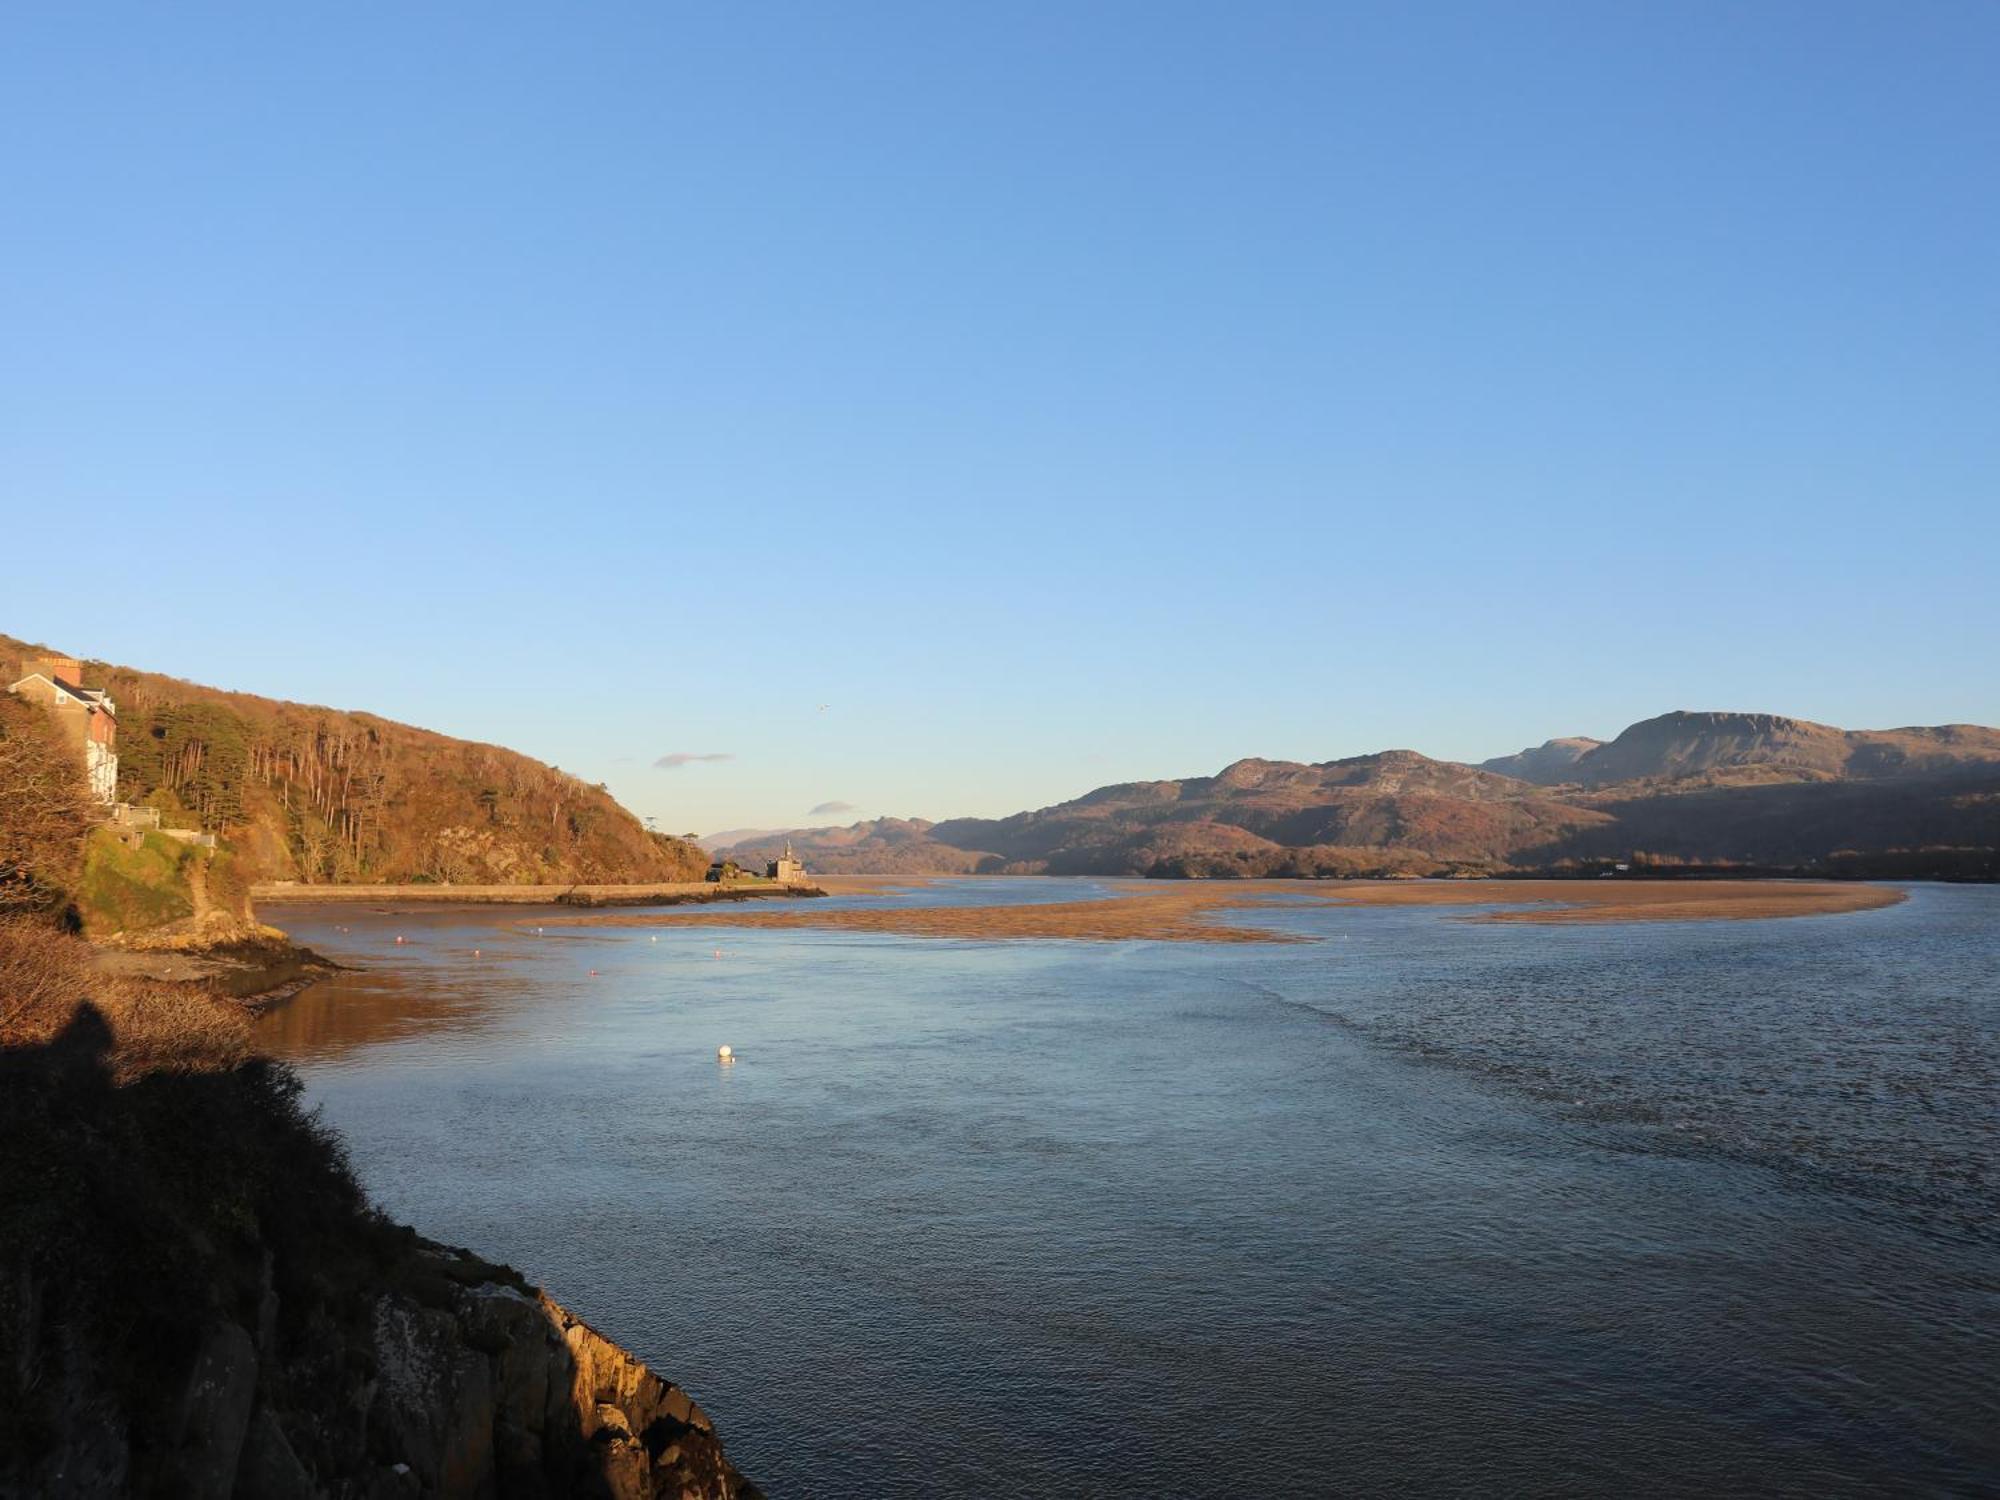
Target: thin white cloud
<point x="679" y="758"/>
<point x="831" y="807"/>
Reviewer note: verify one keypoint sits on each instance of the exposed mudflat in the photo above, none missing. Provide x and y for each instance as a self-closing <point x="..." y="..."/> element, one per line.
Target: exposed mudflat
<point x="259" y="970"/>
<point x="1197" y="912"/>
<point x="1623" y="900"/>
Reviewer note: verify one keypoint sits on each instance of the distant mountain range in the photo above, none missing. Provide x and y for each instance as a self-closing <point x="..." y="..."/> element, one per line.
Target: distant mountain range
<point x="1685" y="789"/>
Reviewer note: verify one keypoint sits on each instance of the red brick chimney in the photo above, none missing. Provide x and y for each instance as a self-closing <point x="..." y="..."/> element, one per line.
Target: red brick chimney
<point x="64" y="669"/>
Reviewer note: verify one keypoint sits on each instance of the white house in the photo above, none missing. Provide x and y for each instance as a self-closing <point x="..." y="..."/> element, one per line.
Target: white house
<point x="87" y="715"/>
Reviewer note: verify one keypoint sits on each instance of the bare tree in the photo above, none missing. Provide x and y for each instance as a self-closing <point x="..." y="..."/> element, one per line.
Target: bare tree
<point x="45" y="807"/>
<point x="316" y="844"/>
<point x="449" y="860"/>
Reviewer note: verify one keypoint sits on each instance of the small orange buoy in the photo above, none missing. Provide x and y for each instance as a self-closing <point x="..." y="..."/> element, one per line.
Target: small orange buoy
<point x="593" y="973"/>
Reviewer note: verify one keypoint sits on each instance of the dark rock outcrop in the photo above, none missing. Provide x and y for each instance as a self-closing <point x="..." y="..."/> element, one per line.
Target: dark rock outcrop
<point x="466" y="1383"/>
<point x="197" y="1301"/>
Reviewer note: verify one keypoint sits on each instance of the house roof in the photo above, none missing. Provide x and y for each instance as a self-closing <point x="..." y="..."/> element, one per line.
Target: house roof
<point x="95" y="697"/>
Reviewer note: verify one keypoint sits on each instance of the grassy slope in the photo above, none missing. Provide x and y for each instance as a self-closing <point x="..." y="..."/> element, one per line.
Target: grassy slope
<point x="136" y="886"/>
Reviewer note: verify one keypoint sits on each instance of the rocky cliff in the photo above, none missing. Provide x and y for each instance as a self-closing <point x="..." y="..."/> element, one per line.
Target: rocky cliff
<point x="480" y="1387"/>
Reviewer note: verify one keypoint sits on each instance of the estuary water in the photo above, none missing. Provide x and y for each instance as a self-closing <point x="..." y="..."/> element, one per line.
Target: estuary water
<point x="1424" y="1206"/>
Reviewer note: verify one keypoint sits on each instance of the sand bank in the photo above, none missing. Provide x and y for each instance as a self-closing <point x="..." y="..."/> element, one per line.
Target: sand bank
<point x="1195" y="911"/>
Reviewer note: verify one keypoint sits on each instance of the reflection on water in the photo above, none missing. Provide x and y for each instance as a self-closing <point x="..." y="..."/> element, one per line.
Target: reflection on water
<point x="1425" y="1206"/>
<point x="390" y="997"/>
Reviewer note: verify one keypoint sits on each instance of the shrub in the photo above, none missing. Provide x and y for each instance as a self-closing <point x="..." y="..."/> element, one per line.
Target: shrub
<point x="44" y="977"/>
<point x="48" y="977"/>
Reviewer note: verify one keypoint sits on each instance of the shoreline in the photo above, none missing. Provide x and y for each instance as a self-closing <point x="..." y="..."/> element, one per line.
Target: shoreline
<point x="256" y="974"/>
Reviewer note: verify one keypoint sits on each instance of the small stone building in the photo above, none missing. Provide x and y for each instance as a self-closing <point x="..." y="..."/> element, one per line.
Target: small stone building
<point x="87" y="715"/>
<point x="785" y="869"/>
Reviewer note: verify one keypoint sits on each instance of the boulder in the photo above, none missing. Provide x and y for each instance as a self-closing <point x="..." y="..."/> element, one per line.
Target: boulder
<point x="435" y="1406"/>
<point x="269" y="1469"/>
<point x="528" y="1351"/>
<point x="215" y="1413"/>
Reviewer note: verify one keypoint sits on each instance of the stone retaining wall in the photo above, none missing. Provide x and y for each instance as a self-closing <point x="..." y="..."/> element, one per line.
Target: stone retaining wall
<point x="530" y="895"/>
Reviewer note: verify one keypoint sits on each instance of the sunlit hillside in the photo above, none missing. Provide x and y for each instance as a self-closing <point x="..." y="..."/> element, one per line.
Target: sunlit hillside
<point x="328" y="795"/>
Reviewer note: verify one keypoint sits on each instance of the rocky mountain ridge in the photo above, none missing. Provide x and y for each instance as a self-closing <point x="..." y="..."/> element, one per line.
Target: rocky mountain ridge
<point x="1550" y="763"/>
<point x="1684" y="744"/>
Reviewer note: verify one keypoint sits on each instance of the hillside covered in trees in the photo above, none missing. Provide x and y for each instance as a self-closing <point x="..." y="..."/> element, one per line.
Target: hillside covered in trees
<point x="329" y="795"/>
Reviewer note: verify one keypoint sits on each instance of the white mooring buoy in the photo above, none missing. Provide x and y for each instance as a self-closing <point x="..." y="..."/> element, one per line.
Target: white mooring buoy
<point x="724" y="1054"/>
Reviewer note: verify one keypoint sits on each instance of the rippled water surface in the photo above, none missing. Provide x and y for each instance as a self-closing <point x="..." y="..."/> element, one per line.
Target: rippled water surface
<point x="1426" y="1206"/>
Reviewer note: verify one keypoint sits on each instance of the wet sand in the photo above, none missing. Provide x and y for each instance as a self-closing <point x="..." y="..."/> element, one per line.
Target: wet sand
<point x="1626" y="900"/>
<point x="1193" y="911"/>
<point x="868" y="885"/>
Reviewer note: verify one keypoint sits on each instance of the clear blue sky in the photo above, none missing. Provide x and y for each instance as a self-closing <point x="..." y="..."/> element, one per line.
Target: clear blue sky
<point x="1060" y="393"/>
